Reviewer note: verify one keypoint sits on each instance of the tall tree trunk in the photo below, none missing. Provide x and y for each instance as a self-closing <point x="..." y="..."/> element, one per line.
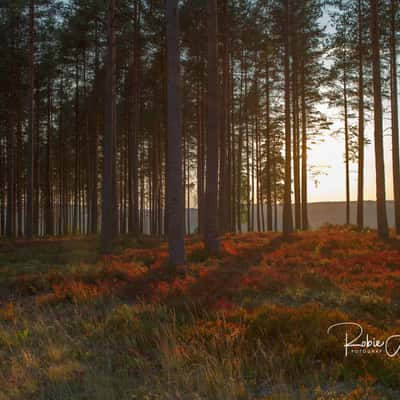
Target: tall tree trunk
<point x="175" y="203"/>
<point x="76" y="161"/>
<point x="360" y="186"/>
<point x="31" y="124"/>
<point x="48" y="197"/>
<point x="61" y="189"/>
<point x="246" y="126"/>
<point x="346" y="146"/>
<point x="109" y="209"/>
<point x="296" y="139"/>
<point x="304" y="177"/>
<point x="268" y="147"/>
<point x="240" y="146"/>
<point x="275" y="188"/>
<point x="134" y="130"/>
<point x="10" y="222"/>
<point x="200" y="155"/>
<point x="232" y="156"/>
<point x="260" y="205"/>
<point x="383" y="231"/>
<point x="287" y="216"/>
<point x="395" y="114"/>
<point x="87" y="190"/>
<point x="19" y="191"/>
<point x="224" y="195"/>
<point x="211" y="230"/>
<point x="96" y="133"/>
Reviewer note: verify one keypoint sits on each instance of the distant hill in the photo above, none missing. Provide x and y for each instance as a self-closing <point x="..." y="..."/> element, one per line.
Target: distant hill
<point x="327" y="213"/>
<point x="335" y="213"/>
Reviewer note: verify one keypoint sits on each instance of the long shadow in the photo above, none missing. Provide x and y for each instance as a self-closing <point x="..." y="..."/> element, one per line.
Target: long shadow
<point x="218" y="280"/>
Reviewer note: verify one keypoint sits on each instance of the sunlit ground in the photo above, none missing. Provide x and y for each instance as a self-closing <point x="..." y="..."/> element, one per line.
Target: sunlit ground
<point x="249" y="324"/>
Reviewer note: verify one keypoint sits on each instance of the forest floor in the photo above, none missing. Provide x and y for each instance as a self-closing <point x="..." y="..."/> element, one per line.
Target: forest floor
<point x="250" y="323"/>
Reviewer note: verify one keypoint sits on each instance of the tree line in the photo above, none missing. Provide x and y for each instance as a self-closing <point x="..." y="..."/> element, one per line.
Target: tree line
<point x="122" y="116"/>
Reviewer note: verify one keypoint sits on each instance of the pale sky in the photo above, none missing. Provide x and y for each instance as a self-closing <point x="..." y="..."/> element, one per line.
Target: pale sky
<point x="329" y="155"/>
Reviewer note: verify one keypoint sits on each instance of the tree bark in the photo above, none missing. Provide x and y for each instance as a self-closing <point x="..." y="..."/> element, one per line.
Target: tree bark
<point x="211" y="229"/>
<point x="175" y="204"/>
<point x="395" y="114"/>
<point x="287" y="217"/>
<point x="109" y="209"/>
<point x="49" y="199"/>
<point x="360" y="186"/>
<point x="304" y="174"/>
<point x="31" y="124"/>
<point x="268" y="147"/>
<point x="346" y="146"/>
<point x="296" y="139"/>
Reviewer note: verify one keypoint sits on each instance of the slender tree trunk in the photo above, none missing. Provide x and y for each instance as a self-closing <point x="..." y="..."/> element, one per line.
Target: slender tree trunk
<point x="395" y="115"/>
<point x="287" y="216"/>
<point x="10" y="222"/>
<point x="211" y="229"/>
<point x="246" y="126"/>
<point x="49" y="197"/>
<point x="36" y="168"/>
<point x="383" y="231"/>
<point x="258" y="161"/>
<point x="274" y="168"/>
<point x="200" y="156"/>
<point x="304" y="190"/>
<point x="175" y="204"/>
<point x="31" y="123"/>
<point x="232" y="159"/>
<point x="88" y="176"/>
<point x="61" y="190"/>
<point x="134" y="132"/>
<point x="346" y="144"/>
<point x="240" y="147"/>
<point x="19" y="192"/>
<point x="76" y="161"/>
<point x="296" y="139"/>
<point x="109" y="209"/>
<point x="96" y="134"/>
<point x="268" y="147"/>
<point x="224" y="195"/>
<point x="360" y="188"/>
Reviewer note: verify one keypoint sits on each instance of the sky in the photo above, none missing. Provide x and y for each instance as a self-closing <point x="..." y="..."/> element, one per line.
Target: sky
<point x="329" y="158"/>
